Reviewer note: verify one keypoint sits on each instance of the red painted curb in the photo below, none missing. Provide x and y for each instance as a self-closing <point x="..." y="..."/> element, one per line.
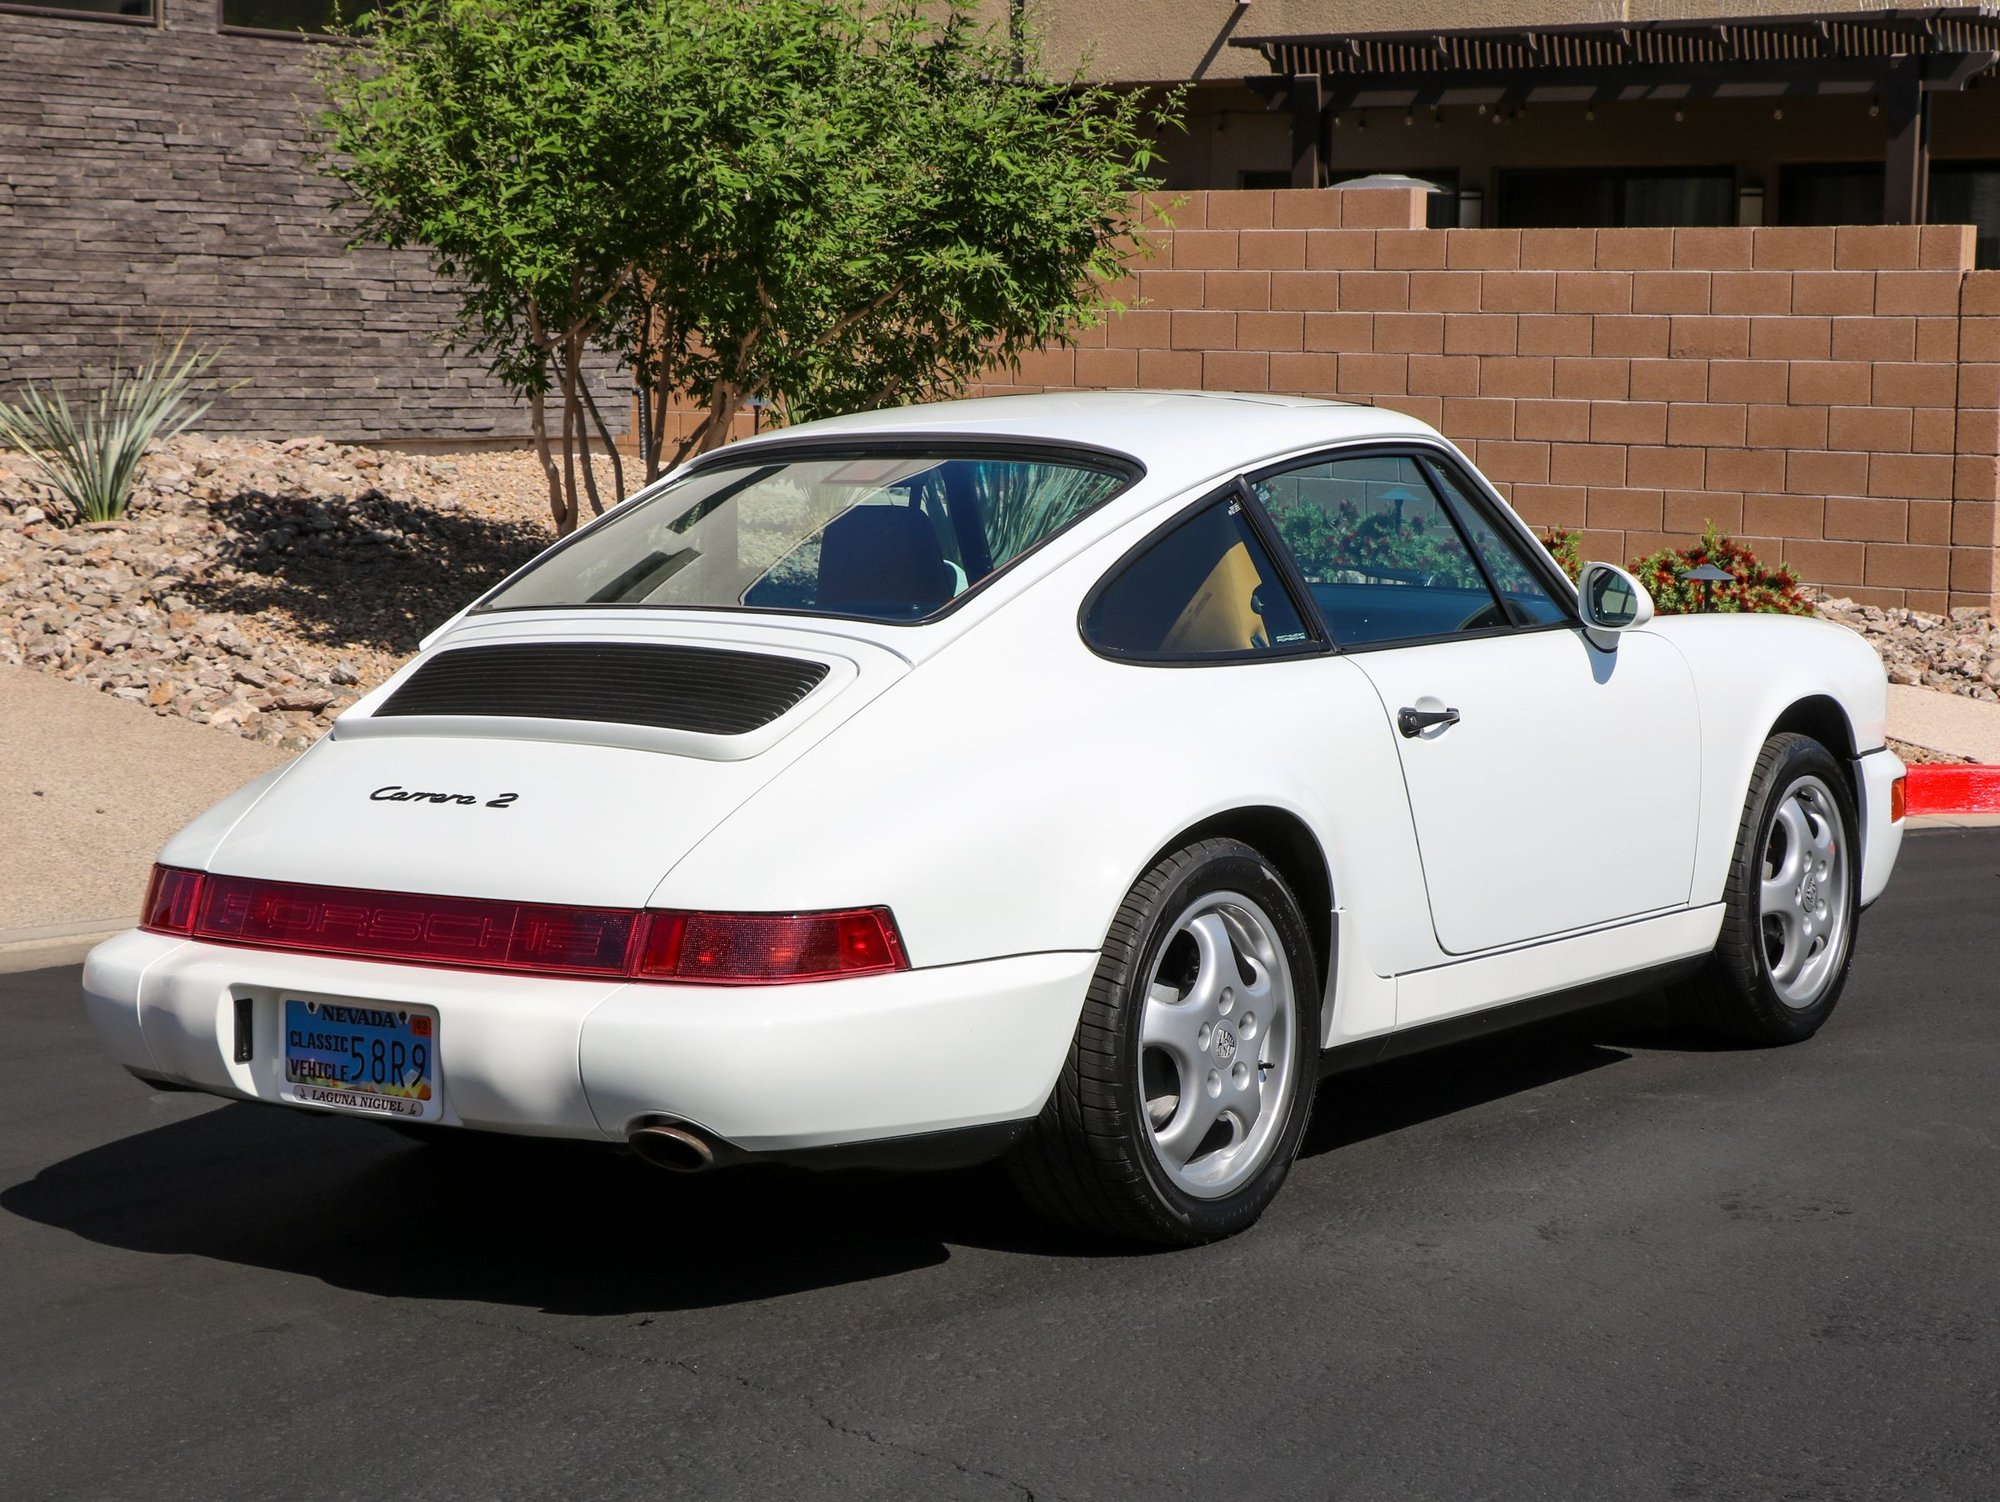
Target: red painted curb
<point x="1954" y="790"/>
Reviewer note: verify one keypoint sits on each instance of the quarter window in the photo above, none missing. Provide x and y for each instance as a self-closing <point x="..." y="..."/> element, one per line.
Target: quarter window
<point x="1206" y="589"/>
<point x="1380" y="555"/>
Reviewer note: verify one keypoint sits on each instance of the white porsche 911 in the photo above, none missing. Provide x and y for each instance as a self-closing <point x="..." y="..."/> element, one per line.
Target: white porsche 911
<point x="1078" y="778"/>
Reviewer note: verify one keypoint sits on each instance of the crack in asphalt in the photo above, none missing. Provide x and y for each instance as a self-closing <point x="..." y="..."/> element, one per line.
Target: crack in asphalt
<point x="750" y="1385"/>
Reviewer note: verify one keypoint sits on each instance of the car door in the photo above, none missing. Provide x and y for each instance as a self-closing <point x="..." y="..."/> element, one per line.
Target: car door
<point x="1522" y="743"/>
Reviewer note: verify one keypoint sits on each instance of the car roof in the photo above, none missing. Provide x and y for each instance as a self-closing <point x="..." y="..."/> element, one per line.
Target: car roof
<point x="1169" y="432"/>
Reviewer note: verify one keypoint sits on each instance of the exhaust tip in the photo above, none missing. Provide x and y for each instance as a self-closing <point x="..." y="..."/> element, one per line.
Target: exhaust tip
<point x="674" y="1148"/>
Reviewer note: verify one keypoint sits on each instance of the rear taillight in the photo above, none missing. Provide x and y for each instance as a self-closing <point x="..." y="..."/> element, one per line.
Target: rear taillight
<point x="525" y="938"/>
<point x="529" y="938"/>
<point x="172" y="899"/>
<point x="751" y="949"/>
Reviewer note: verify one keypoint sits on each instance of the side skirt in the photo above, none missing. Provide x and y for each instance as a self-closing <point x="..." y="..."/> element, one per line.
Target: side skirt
<point x="1426" y="1036"/>
<point x="958" y="1147"/>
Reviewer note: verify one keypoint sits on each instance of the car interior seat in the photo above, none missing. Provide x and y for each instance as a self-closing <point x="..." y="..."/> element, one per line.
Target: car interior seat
<point x="883" y="561"/>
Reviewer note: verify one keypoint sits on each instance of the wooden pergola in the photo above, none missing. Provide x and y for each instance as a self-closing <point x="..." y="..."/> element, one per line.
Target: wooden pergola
<point x="1903" y="56"/>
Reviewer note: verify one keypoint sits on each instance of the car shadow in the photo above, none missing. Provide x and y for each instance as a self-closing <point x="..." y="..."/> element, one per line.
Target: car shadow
<point x="298" y="555"/>
<point x="580" y="1230"/>
<point x="1401" y="1093"/>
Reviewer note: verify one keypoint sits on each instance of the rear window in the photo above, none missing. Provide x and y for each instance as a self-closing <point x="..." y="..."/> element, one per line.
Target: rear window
<point x="884" y="537"/>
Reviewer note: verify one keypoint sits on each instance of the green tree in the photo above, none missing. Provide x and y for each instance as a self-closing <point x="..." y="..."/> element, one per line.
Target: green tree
<point x="817" y="205"/>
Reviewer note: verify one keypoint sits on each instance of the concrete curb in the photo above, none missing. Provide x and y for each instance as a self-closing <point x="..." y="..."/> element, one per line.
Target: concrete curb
<point x="53" y="944"/>
<point x="1936" y="790"/>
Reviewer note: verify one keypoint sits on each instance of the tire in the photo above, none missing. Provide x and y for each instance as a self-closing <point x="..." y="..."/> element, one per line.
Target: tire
<point x="1791" y="904"/>
<point x="1145" y="1135"/>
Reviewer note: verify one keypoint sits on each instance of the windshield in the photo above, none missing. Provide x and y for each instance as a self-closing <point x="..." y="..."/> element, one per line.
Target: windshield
<point x="887" y="537"/>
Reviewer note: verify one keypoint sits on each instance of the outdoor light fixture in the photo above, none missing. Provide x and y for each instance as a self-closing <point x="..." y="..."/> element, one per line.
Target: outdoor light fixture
<point x="1470" y="201"/>
<point x="1750" y="205"/>
<point x="1708" y="576"/>
<point x="1399" y="180"/>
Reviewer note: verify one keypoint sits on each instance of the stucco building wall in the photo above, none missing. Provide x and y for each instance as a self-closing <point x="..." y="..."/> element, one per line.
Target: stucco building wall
<point x="1138" y="41"/>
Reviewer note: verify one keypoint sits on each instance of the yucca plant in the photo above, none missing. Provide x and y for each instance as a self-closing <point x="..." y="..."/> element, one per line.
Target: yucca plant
<point x="94" y="463"/>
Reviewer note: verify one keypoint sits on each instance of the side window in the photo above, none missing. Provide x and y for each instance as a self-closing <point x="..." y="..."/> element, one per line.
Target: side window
<point x="1208" y="588"/>
<point x="1378" y="552"/>
<point x="1522" y="591"/>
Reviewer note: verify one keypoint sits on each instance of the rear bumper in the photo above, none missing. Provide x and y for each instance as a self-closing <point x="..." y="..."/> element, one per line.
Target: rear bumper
<point x="771" y="1069"/>
<point x="1881" y="837"/>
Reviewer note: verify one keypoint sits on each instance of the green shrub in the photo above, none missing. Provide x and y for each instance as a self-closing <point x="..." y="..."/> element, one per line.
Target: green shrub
<point x="94" y="463"/>
<point x="1331" y="546"/>
<point x="1754" y="586"/>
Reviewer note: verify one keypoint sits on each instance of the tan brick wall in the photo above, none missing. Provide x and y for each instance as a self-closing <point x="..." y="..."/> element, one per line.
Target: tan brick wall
<point x="1830" y="396"/>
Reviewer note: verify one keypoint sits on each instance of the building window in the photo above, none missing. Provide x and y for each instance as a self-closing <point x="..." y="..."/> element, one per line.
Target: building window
<point x="1851" y="193"/>
<point x="1260" y="177"/>
<point x="1600" y="198"/>
<point x="297" y="17"/>
<point x="98" y="10"/>
<point x="1969" y="193"/>
<point x="1830" y="193"/>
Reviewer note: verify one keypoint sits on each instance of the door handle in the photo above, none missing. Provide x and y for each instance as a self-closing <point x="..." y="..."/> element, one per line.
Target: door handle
<point x="1414" y="722"/>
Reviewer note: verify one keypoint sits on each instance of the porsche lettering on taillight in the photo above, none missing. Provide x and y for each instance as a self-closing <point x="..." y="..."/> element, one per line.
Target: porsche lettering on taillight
<point x="525" y="938"/>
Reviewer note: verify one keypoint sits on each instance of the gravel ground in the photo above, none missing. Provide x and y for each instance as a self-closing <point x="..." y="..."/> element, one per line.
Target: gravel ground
<point x="262" y="587"/>
<point x="1923" y="756"/>
<point x="1954" y="654"/>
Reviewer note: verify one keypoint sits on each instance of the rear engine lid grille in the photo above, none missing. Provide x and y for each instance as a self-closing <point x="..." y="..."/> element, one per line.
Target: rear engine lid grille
<point x="708" y="690"/>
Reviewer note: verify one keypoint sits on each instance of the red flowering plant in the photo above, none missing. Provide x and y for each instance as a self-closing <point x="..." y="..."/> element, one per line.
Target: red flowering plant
<point x="1562" y="545"/>
<point x="1752" y="586"/>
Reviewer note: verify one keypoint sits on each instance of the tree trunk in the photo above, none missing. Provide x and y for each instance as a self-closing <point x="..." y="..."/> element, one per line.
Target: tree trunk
<point x="566" y="378"/>
<point x="579" y="394"/>
<point x="604" y="432"/>
<point x="561" y="516"/>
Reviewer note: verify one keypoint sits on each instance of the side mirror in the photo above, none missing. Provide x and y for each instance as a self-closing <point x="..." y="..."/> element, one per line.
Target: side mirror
<point x="1611" y="601"/>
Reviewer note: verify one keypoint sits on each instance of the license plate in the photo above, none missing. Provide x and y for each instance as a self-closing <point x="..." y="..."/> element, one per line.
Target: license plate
<point x="378" y="1058"/>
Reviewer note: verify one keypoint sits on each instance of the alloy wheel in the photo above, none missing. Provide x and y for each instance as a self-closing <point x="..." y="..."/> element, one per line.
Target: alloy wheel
<point x="1803" y="907"/>
<point x="1218" y="1045"/>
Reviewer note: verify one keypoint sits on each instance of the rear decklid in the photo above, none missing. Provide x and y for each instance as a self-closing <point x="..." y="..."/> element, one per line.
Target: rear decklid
<point x="568" y="759"/>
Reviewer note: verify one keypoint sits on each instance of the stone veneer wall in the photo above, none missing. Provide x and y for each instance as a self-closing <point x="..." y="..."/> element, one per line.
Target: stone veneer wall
<point x="1830" y="396"/>
<point x="156" y="177"/>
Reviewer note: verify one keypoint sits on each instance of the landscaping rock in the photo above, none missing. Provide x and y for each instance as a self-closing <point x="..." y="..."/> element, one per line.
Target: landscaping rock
<point x="260" y="587"/>
<point x="1954" y="654"/>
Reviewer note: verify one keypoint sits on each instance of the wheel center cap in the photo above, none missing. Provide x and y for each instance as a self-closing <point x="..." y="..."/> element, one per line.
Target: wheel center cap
<point x="1809" y="893"/>
<point x="1225" y="1043"/>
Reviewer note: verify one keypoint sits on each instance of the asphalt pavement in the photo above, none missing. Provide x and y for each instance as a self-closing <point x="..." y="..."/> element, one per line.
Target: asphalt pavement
<point x="1596" y="1259"/>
